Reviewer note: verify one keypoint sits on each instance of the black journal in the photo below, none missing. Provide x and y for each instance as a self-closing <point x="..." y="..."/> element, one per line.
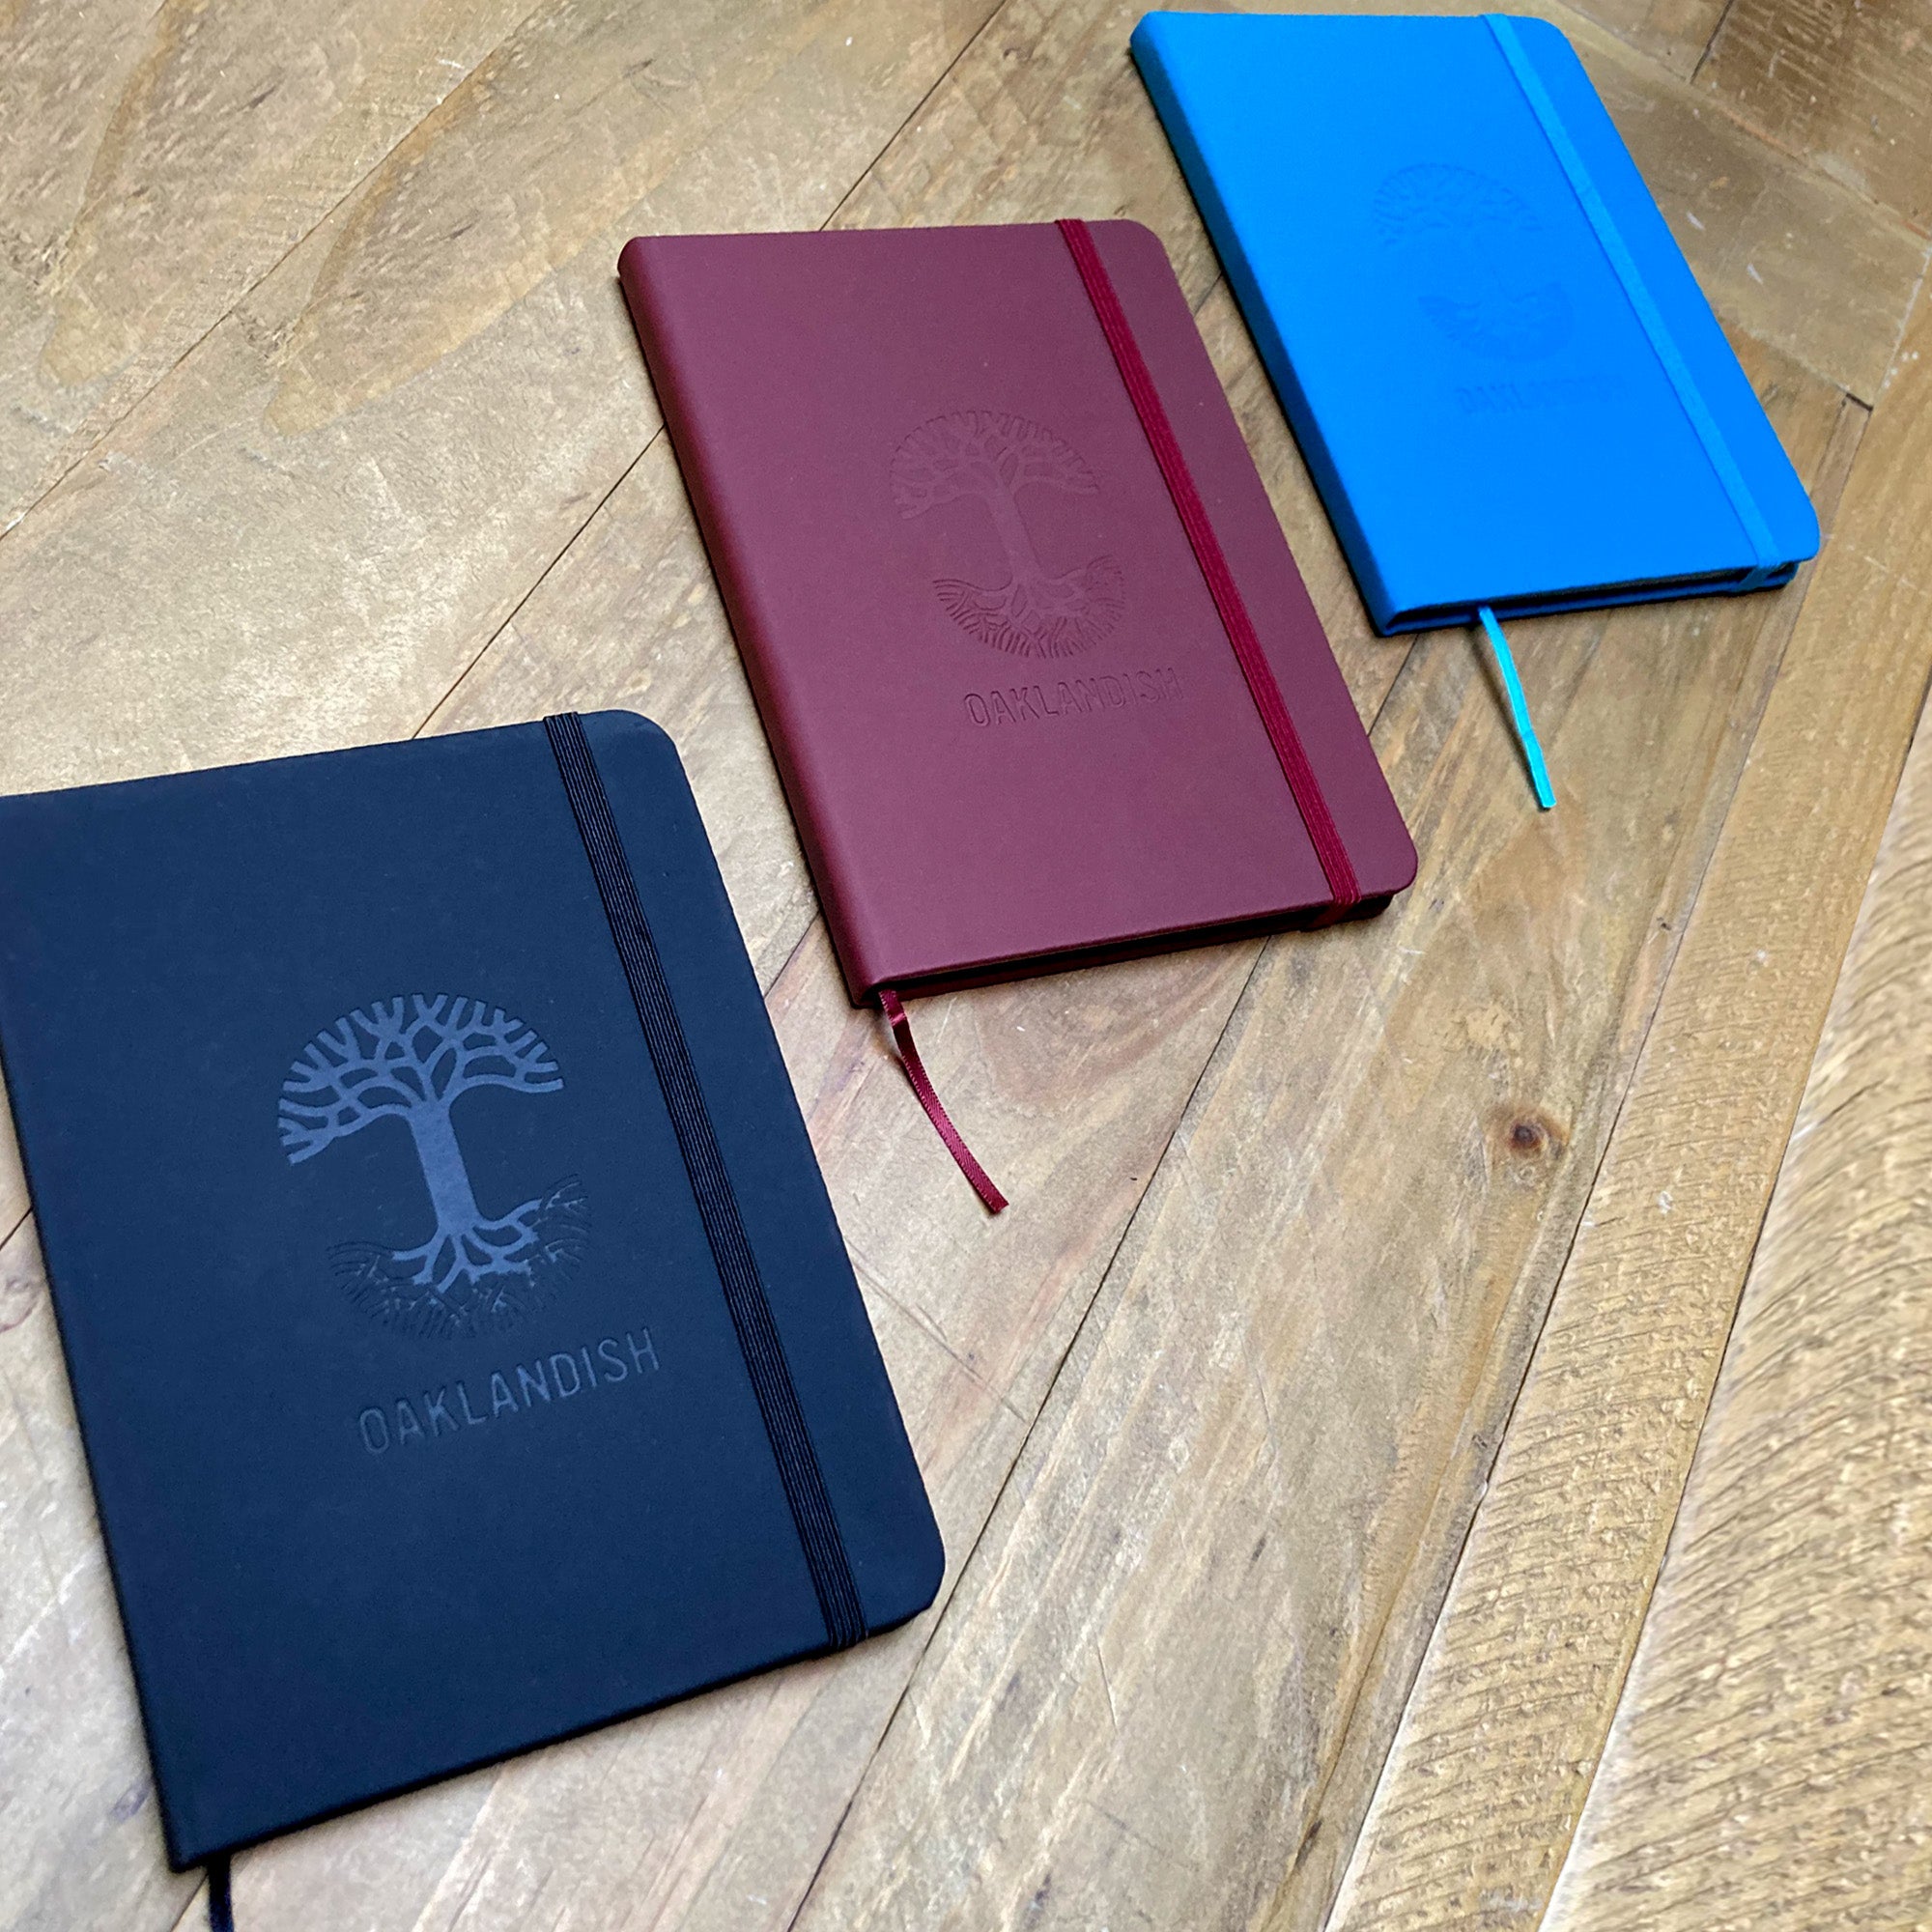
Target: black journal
<point x="464" y="1346"/>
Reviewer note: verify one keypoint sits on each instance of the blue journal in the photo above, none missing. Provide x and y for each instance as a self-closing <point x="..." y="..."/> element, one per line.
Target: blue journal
<point x="463" y="1344"/>
<point x="1504" y="379"/>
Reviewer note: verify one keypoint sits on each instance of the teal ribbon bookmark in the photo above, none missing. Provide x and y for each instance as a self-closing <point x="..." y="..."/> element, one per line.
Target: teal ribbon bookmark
<point x="1519" y="708"/>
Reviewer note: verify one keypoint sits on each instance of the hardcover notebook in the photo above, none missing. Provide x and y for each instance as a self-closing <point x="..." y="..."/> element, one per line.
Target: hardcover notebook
<point x="1505" y="380"/>
<point x="463" y="1344"/>
<point x="1037" y="669"/>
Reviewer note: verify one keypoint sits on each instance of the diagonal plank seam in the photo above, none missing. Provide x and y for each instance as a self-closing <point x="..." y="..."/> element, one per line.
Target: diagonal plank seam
<point x="1709" y="44"/>
<point x="194" y="1914"/>
<point x="538" y="582"/>
<point x="926" y="99"/>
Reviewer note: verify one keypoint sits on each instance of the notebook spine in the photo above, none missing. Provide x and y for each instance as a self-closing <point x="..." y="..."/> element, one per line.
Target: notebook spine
<point x="658" y="336"/>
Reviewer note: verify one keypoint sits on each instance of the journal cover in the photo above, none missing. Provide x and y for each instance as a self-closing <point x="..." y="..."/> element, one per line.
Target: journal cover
<point x="463" y="1344"/>
<point x="1011" y="595"/>
<point x="1504" y="376"/>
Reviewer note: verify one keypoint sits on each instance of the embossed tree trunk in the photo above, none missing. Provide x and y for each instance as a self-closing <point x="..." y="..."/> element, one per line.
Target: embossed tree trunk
<point x="1022" y="559"/>
<point x="443" y="1170"/>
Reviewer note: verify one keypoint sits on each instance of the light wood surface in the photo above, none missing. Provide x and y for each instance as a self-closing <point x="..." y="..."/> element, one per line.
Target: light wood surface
<point x="1360" y="1509"/>
<point x="1843" y="83"/>
<point x="1770" y="1758"/>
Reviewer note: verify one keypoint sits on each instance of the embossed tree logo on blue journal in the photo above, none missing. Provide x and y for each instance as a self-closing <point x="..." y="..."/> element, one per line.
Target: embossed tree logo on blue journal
<point x="412" y="1060"/>
<point x="988" y="455"/>
<point x="1478" y="259"/>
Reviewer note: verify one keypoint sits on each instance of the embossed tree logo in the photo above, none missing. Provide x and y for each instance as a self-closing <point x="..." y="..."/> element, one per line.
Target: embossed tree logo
<point x="994" y="457"/>
<point x="412" y="1060"/>
<point x="1478" y="260"/>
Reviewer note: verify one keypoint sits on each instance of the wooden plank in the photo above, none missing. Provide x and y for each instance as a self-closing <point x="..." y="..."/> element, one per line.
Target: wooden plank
<point x="1271" y="1433"/>
<point x="64" y="66"/>
<point x="1843" y="84"/>
<point x="1799" y="262"/>
<point x="75" y="1809"/>
<point x="1507" y="1721"/>
<point x="1768" y="1763"/>
<point x="155" y="162"/>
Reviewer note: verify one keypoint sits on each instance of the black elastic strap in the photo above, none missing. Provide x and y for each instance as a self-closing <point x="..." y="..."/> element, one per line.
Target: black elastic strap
<point x="716" y="1206"/>
<point x="220" y="1900"/>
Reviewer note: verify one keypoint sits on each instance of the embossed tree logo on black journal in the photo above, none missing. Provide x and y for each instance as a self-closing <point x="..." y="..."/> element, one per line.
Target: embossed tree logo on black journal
<point x="997" y="459"/>
<point x="412" y="1060"/>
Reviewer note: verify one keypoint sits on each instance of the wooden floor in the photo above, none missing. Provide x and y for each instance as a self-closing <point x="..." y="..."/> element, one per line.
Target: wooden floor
<point x="1442" y="1439"/>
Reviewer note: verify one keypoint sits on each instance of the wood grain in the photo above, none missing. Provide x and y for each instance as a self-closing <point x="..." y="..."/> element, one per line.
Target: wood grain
<point x="1504" y="1729"/>
<point x="1769" y="1762"/>
<point x="1842" y="82"/>
<point x="156" y="161"/>
<point x="1299" y="1364"/>
<point x="1797" y="262"/>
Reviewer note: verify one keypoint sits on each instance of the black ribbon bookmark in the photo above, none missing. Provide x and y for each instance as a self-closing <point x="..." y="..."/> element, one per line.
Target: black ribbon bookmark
<point x="711" y="1183"/>
<point x="220" y="1900"/>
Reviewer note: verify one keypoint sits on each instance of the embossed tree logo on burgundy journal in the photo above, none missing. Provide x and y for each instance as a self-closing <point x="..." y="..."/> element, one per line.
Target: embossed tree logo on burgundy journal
<point x="997" y="459"/>
<point x="412" y="1060"/>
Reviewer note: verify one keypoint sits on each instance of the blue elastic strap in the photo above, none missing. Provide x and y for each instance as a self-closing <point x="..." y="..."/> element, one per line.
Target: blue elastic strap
<point x="1624" y="265"/>
<point x="1519" y="709"/>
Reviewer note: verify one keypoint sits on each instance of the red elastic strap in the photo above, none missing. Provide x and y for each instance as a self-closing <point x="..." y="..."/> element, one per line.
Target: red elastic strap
<point x="1303" y="784"/>
<point x="935" y="1112"/>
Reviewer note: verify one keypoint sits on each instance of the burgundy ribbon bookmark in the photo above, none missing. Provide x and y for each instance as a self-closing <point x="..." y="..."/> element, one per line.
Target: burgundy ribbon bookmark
<point x="935" y="1111"/>
<point x="1289" y="751"/>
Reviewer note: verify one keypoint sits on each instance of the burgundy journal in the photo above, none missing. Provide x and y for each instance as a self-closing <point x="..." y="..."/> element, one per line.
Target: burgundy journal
<point x="1040" y="673"/>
